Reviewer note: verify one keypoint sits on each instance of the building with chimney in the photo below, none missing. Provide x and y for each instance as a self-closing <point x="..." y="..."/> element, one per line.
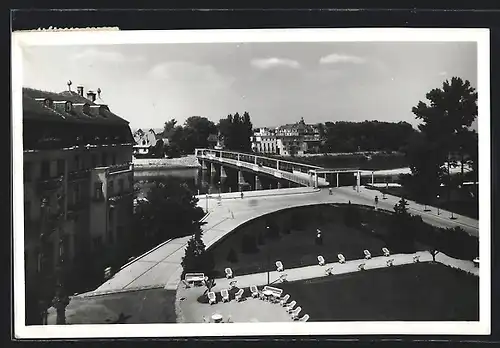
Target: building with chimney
<point x="78" y="183"/>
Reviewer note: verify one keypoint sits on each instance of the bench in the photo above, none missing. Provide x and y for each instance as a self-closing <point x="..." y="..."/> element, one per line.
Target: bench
<point x="195" y="278"/>
<point x="275" y="291"/>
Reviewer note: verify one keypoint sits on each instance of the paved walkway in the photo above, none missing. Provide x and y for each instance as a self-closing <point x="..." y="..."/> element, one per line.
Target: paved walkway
<point x="162" y="266"/>
<point x="316" y="271"/>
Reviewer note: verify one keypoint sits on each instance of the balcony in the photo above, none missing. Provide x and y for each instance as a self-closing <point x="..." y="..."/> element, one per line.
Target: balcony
<point x="79" y="175"/>
<point x="119" y="168"/>
<point x="49" y="184"/>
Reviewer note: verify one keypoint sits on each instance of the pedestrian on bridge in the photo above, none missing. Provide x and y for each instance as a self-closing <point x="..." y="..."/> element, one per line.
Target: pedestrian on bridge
<point x="241" y="194"/>
<point x="376" y="202"/>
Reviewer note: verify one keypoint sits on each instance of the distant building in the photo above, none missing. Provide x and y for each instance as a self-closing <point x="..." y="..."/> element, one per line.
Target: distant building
<point x="287" y="140"/>
<point x="264" y="141"/>
<point x="78" y="180"/>
<point x="144" y="140"/>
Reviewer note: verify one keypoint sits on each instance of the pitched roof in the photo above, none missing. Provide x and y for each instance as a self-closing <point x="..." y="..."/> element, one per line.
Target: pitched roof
<point x="35" y="109"/>
<point x="54" y="126"/>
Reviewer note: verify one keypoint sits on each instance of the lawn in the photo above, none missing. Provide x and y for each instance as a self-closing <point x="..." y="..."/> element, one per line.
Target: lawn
<point x="416" y="292"/>
<point x="299" y="248"/>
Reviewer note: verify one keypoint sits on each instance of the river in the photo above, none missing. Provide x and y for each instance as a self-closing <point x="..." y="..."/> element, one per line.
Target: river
<point x="203" y="181"/>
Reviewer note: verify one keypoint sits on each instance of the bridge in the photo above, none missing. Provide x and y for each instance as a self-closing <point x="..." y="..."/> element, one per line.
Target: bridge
<point x="298" y="173"/>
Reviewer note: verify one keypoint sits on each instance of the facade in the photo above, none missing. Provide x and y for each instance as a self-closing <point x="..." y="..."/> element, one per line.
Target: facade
<point x="264" y="141"/>
<point x="78" y="180"/>
<point x="144" y="140"/>
<point x="287" y="140"/>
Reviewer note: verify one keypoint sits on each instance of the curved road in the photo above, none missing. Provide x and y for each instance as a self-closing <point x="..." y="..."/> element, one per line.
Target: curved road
<point x="161" y="266"/>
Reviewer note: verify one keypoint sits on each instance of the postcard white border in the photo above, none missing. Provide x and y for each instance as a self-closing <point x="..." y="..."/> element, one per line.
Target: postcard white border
<point x="40" y="38"/>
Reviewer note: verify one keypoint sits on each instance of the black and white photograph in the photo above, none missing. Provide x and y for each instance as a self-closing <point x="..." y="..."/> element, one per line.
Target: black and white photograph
<point x="319" y="181"/>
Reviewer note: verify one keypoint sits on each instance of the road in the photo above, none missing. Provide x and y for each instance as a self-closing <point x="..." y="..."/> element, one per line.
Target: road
<point x="161" y="267"/>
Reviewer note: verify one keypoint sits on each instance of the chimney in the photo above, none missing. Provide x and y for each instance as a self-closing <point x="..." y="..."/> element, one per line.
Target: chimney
<point x="91" y="96"/>
<point x="80" y="90"/>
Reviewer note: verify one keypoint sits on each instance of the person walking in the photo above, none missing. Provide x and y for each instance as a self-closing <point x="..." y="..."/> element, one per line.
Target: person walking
<point x="376" y="202"/>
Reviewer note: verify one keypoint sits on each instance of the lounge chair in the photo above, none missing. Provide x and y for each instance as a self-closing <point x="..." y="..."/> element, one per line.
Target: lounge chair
<point x="390" y="262"/>
<point x="239" y="295"/>
<point x="295" y="313"/>
<point x="279" y="266"/>
<point x="416" y="258"/>
<point x="329" y="270"/>
<point x="289" y="307"/>
<point x="386" y="252"/>
<point x="284" y="300"/>
<point x="225" y="295"/>
<point x="341" y="258"/>
<point x="229" y="273"/>
<point x="321" y="260"/>
<point x="304" y="318"/>
<point x="255" y="291"/>
<point x="361" y="266"/>
<point x="367" y="254"/>
<point x="212" y="299"/>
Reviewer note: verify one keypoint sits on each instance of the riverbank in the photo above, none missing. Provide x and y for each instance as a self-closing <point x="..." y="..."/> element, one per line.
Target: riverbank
<point x="185" y="162"/>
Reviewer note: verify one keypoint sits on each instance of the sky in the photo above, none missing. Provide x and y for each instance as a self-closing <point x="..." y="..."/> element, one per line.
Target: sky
<point x="276" y="83"/>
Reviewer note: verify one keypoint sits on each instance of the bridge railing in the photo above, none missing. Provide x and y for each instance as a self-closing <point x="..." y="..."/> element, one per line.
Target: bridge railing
<point x="263" y="160"/>
<point x="247" y="162"/>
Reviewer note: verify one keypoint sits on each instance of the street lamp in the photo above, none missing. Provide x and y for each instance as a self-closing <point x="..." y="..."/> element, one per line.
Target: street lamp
<point x="438" y="203"/>
<point x="219" y="189"/>
<point x="268" y="259"/>
<point x="206" y="200"/>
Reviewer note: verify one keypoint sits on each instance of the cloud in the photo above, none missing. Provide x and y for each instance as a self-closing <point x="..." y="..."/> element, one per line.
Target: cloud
<point x="267" y="63"/>
<point x="93" y="54"/>
<point x="336" y="58"/>
<point x="190" y="74"/>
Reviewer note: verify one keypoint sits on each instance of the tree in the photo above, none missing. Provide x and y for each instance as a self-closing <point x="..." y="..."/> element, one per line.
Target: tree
<point x="169" y="128"/>
<point x="446" y="120"/>
<point x="195" y="256"/>
<point x="247" y="133"/>
<point x="152" y="225"/>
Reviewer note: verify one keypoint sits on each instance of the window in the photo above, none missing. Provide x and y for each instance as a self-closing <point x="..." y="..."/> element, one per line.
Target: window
<point x="77" y="193"/>
<point x="28" y="167"/>
<point x="45" y="170"/>
<point x="104" y="159"/>
<point x="98" y="190"/>
<point x="60" y="167"/>
<point x="121" y="185"/>
<point x="111" y="188"/>
<point x="77" y="162"/>
<point x="113" y="159"/>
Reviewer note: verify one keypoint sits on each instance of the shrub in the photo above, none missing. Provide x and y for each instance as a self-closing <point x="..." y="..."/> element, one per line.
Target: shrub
<point x="352" y="216"/>
<point x="232" y="256"/>
<point x="248" y="244"/>
<point x="260" y="239"/>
